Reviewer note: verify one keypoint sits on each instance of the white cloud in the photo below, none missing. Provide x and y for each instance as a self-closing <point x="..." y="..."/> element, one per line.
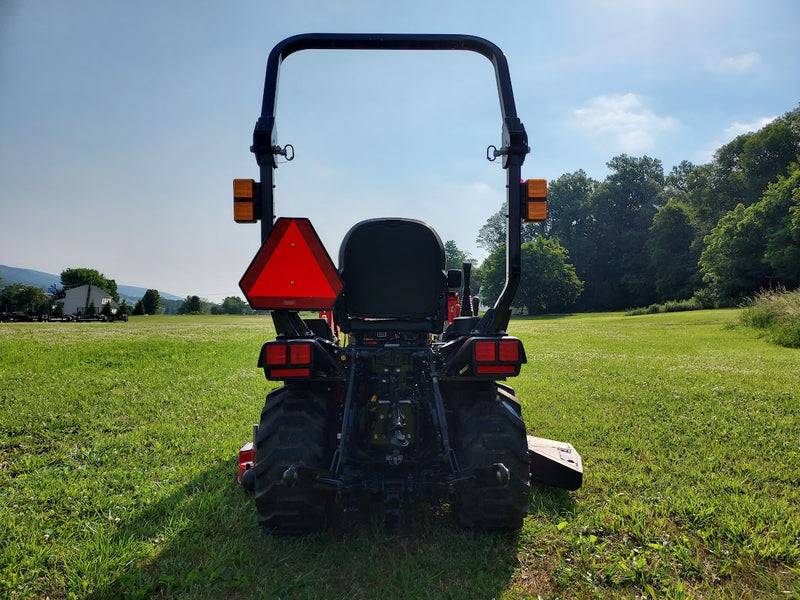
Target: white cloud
<point x="738" y="128"/>
<point x="623" y="122"/>
<point x="732" y="64"/>
<point x="732" y="132"/>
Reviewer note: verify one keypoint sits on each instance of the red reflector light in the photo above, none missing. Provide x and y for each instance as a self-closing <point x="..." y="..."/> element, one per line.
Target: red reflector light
<point x="496" y="369"/>
<point x="247" y="455"/>
<point x="484" y="352"/>
<point x="292" y="270"/>
<point x="276" y="354"/>
<point x="509" y="351"/>
<point x="247" y="459"/>
<point x="289" y="373"/>
<point x="300" y="354"/>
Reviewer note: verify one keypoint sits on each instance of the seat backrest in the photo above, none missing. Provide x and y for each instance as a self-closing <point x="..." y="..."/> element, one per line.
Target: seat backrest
<point x="393" y="269"/>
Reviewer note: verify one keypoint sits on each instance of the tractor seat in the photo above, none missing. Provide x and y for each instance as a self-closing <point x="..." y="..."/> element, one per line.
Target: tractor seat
<point x="394" y="278"/>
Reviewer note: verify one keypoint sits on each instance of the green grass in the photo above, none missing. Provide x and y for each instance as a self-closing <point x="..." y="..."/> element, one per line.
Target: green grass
<point x="693" y="303"/>
<point x="777" y="314"/>
<point x="117" y="466"/>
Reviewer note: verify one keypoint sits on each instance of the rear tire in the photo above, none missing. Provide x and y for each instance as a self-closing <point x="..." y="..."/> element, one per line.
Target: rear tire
<point x="490" y="432"/>
<point x="293" y="432"/>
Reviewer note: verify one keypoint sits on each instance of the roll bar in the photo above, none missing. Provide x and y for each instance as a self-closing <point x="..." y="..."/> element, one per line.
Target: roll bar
<point x="514" y="138"/>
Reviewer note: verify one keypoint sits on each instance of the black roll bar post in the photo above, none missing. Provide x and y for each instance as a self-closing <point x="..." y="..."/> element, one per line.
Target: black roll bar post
<point x="515" y="140"/>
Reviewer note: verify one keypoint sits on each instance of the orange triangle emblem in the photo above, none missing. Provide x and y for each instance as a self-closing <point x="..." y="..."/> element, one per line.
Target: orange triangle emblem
<point x="291" y="270"/>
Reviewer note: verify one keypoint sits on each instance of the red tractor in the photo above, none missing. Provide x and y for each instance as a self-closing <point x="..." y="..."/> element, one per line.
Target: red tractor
<point x="397" y="398"/>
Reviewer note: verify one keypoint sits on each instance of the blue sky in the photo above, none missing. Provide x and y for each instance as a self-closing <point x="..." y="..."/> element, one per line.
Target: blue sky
<point x="122" y="124"/>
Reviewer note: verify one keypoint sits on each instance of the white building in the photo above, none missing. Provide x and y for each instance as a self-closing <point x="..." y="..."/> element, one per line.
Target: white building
<point x="79" y="299"/>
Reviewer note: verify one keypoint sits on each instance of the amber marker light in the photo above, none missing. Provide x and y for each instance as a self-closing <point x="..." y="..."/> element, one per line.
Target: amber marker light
<point x="244" y="201"/>
<point x="536" y="200"/>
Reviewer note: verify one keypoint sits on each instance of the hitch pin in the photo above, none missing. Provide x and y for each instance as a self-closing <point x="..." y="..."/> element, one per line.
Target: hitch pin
<point x="492" y="152"/>
<point x="287" y="151"/>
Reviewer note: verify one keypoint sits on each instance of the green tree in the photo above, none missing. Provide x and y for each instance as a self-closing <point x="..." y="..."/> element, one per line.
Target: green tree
<point x="492" y="234"/>
<point x="138" y="308"/>
<point x="170" y="307"/>
<point x="757" y="246"/>
<point x="569" y="211"/>
<point x="548" y="282"/>
<point x="673" y="255"/>
<point x="694" y="189"/>
<point x="193" y="305"/>
<point x="493" y="269"/>
<point x="233" y="305"/>
<point x="24" y="298"/>
<point x="622" y="210"/>
<point x="782" y="252"/>
<point x="72" y="278"/>
<point x="678" y="181"/>
<point x="454" y="256"/>
<point x="570" y="218"/>
<point x="151" y="302"/>
<point x="767" y="153"/>
<point x="732" y="260"/>
<point x="742" y="169"/>
<point x="125" y="308"/>
<point x="56" y="292"/>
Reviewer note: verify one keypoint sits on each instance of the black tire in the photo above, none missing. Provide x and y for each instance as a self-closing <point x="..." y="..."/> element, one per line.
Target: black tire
<point x="489" y="431"/>
<point x="293" y="431"/>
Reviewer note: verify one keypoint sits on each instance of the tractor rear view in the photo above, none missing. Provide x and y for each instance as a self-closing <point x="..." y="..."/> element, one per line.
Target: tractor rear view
<point x="395" y="395"/>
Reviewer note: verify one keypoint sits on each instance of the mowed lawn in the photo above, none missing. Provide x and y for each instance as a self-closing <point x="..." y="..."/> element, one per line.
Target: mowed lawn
<point x="117" y="470"/>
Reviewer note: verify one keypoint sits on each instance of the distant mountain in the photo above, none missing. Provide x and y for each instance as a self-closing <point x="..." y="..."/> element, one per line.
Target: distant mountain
<point x="133" y="293"/>
<point x="45" y="280"/>
<point x="28" y="277"/>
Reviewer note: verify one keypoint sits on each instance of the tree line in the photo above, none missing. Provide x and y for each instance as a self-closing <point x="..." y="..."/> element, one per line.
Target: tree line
<point x="716" y="232"/>
<point x="34" y="301"/>
<point x="152" y="304"/>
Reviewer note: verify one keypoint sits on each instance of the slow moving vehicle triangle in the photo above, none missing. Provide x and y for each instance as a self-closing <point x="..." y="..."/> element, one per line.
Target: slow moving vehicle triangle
<point x="291" y="270"/>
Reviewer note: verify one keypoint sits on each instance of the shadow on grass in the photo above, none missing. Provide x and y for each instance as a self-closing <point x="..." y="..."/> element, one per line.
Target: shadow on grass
<point x="202" y="541"/>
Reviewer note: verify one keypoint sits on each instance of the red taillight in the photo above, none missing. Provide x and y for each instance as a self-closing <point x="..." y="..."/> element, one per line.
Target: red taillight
<point x="288" y="359"/>
<point x="300" y="354"/>
<point x="484" y="352"/>
<point x="289" y="373"/>
<point x="276" y="354"/>
<point x="496" y="369"/>
<point x="508" y="351"/>
<point x="498" y="358"/>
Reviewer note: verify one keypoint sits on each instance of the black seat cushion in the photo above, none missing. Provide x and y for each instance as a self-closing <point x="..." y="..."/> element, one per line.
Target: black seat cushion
<point x="392" y="269"/>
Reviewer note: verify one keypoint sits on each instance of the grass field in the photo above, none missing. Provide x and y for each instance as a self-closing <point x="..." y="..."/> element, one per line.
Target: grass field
<point x="117" y="466"/>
